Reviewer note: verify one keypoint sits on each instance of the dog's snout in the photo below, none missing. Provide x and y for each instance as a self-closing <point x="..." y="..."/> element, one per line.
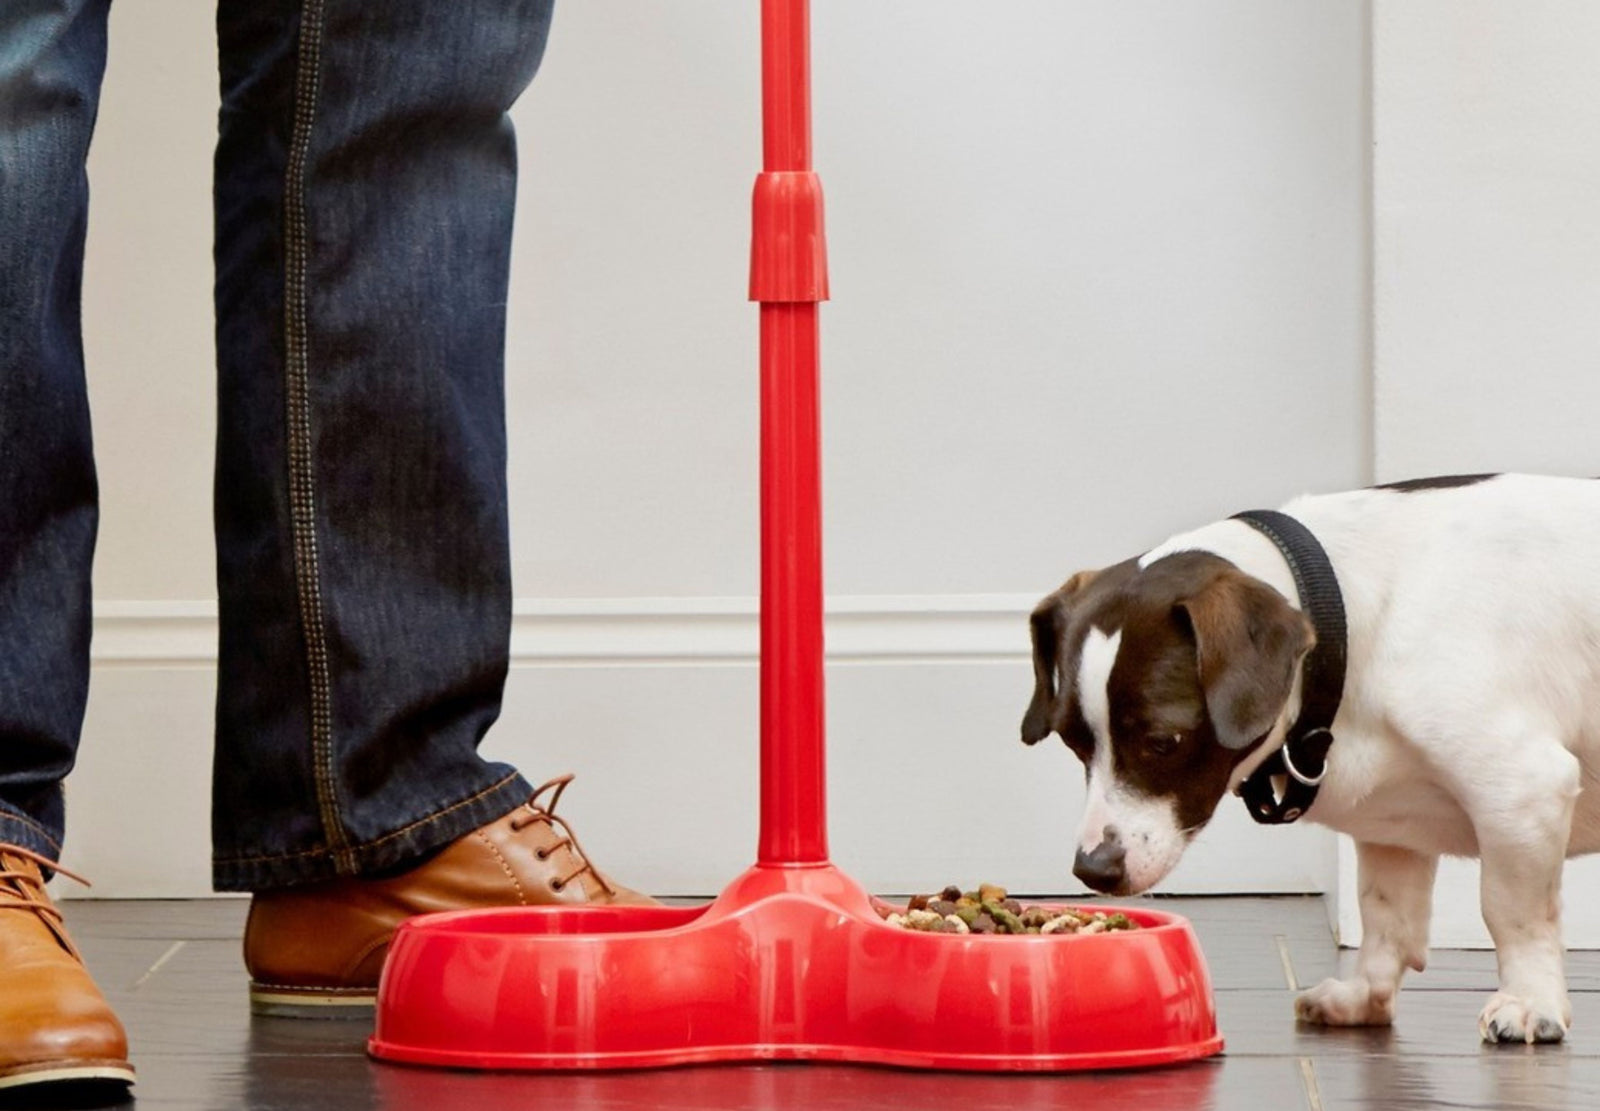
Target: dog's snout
<point x="1103" y="868"/>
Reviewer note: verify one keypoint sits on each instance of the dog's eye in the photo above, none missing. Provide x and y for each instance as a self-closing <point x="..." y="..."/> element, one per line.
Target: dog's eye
<point x="1163" y="744"/>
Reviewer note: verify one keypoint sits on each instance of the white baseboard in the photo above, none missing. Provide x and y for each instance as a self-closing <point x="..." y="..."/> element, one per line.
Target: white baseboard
<point x="577" y="632"/>
<point x="655" y="703"/>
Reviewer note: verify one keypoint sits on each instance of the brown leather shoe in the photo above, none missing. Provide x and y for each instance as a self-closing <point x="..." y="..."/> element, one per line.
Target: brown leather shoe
<point x="55" y="1025"/>
<point x="316" y="951"/>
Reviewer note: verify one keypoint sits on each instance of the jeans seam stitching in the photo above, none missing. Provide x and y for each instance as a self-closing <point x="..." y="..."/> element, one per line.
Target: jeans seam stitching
<point x="302" y="487"/>
<point x="387" y="837"/>
<point x="24" y="820"/>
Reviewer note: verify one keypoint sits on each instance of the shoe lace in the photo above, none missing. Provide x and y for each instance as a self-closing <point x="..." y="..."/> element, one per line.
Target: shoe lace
<point x="545" y="813"/>
<point x="23" y="889"/>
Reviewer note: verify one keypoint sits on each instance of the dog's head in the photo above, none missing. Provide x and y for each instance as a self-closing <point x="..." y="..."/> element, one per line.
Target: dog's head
<point x="1161" y="679"/>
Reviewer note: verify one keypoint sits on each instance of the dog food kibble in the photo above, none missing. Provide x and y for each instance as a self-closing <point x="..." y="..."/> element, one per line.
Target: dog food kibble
<point x="989" y="910"/>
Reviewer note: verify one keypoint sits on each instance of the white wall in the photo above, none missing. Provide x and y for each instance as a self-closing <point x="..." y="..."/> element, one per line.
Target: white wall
<point x="1100" y="272"/>
<point x="1486" y="227"/>
<point x="1486" y="232"/>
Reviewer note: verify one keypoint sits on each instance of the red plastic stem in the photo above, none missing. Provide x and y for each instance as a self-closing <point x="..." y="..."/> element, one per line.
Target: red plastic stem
<point x="793" y="799"/>
<point x="786" y="84"/>
<point x="788" y="275"/>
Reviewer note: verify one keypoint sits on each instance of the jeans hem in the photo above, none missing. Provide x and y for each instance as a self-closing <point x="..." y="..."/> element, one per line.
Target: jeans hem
<point x="22" y="831"/>
<point x="384" y="853"/>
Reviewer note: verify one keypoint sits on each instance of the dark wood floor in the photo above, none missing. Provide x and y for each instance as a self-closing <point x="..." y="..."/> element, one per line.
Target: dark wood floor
<point x="172" y="970"/>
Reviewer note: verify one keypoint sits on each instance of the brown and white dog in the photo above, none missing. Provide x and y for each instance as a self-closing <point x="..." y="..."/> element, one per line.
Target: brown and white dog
<point x="1469" y="724"/>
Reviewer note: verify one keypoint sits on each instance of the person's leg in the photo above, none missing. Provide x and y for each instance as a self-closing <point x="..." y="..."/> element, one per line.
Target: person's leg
<point x="365" y="179"/>
<point x="52" y="55"/>
<point x="54" y="1024"/>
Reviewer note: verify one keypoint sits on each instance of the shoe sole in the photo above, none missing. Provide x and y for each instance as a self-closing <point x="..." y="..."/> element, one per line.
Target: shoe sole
<point x="319" y="1003"/>
<point x="67" y="1072"/>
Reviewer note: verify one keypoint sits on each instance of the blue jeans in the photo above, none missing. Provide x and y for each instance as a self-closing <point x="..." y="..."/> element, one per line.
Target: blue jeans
<point x="364" y="185"/>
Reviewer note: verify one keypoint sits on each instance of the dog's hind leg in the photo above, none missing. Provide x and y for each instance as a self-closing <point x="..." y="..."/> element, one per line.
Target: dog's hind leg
<point x="1522" y="840"/>
<point x="1396" y="888"/>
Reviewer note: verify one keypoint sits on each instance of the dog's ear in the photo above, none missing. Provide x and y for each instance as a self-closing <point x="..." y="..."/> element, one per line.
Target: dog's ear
<point x="1051" y="687"/>
<point x="1249" y="642"/>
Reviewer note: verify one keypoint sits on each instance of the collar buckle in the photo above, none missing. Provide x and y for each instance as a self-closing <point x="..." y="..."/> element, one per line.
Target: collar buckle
<point x="1288" y="761"/>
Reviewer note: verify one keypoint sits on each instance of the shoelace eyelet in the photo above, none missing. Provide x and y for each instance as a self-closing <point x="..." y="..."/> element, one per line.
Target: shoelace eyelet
<point x="545" y="812"/>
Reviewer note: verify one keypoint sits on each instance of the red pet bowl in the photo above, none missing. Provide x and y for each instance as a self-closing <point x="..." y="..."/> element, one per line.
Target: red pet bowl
<point x="790" y="963"/>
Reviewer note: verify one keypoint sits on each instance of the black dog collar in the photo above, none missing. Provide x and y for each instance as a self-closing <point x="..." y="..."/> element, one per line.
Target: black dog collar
<point x="1303" y="760"/>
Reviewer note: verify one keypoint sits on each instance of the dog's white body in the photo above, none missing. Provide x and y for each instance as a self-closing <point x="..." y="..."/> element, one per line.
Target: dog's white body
<point x="1470" y="722"/>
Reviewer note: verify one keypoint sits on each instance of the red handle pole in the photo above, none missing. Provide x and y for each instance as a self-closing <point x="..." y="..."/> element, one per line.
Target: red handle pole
<point x="788" y="275"/>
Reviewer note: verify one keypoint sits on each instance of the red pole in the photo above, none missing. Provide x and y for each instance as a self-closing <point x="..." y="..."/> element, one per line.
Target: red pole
<point x="788" y="275"/>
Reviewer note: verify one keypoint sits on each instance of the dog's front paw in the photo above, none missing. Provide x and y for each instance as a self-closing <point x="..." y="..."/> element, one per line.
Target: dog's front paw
<point x="1510" y="1019"/>
<point x="1344" y="1003"/>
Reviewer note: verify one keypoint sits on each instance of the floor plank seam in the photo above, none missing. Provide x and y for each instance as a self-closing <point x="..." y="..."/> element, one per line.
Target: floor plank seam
<point x="1308" y="1080"/>
<point x="172" y="951"/>
<point x="1288" y="963"/>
